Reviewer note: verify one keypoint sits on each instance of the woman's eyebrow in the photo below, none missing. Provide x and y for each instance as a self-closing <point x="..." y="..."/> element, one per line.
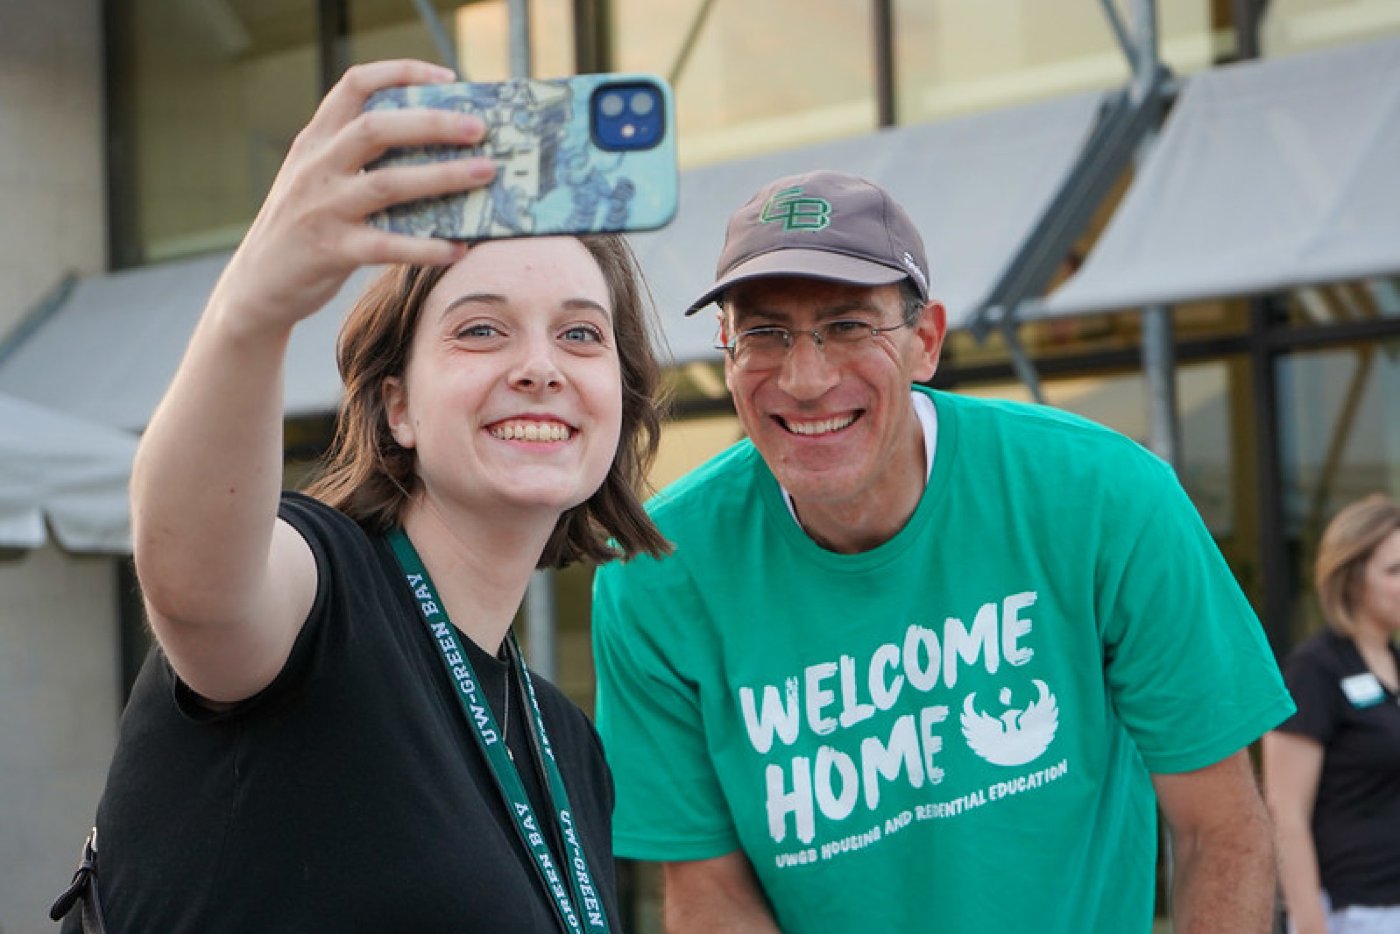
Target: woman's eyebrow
<point x="587" y="304"/>
<point x="472" y="298"/>
<point x="494" y="298"/>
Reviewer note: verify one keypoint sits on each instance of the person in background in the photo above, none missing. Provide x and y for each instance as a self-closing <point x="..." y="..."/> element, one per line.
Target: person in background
<point x="336" y="731"/>
<point x="1332" y="771"/>
<point x="922" y="662"/>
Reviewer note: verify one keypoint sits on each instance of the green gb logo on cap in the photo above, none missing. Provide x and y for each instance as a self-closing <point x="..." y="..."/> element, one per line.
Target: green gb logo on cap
<point x="796" y="213"/>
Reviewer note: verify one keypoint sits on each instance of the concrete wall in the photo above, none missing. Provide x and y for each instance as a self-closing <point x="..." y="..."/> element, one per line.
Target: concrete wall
<point x="58" y="709"/>
<point x="52" y="208"/>
<point x="58" y="620"/>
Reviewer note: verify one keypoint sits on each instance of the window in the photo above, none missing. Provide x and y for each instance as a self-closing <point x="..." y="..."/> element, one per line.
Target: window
<point x="753" y="77"/>
<point x="206" y="97"/>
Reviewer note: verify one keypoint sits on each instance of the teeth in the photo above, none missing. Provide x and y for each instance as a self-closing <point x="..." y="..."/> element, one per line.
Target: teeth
<point x="821" y="427"/>
<point x="531" y="431"/>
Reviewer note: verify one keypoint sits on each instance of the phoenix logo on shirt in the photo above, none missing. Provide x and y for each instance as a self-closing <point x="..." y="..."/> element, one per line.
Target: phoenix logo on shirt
<point x="1016" y="736"/>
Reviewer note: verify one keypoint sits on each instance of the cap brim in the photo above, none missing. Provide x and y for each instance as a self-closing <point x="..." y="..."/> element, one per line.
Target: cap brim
<point x="809" y="264"/>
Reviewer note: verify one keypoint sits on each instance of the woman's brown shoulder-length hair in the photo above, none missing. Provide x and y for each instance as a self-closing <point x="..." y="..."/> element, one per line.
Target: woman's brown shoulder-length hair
<point x="370" y="478"/>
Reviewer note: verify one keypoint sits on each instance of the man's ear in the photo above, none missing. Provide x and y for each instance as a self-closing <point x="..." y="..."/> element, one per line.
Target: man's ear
<point x="394" y="397"/>
<point x="930" y="330"/>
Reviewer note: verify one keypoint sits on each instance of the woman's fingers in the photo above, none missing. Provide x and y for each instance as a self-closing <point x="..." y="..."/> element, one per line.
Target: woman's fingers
<point x="374" y="132"/>
<point x="370" y="246"/>
<point x="338" y="161"/>
<point x="377" y="189"/>
<point x="346" y="100"/>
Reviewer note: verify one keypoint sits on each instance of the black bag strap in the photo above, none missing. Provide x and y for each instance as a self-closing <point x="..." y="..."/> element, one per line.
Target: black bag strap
<point x="82" y="891"/>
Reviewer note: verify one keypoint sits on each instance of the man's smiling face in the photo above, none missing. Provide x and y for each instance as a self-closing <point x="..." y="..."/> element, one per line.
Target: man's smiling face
<point x="835" y="425"/>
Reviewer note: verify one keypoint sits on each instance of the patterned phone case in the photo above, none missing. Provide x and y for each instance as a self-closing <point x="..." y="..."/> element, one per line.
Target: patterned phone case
<point x="552" y="176"/>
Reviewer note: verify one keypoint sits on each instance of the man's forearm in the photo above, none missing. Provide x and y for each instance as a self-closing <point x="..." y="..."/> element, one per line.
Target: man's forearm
<point x="720" y="894"/>
<point x="718" y="915"/>
<point x="1224" y="882"/>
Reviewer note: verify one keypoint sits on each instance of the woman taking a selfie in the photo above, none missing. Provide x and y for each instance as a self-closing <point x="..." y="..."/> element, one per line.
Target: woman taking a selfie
<point x="1332" y="771"/>
<point x="336" y="732"/>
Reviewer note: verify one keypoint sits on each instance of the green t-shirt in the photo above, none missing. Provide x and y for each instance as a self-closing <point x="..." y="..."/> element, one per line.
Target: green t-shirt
<point x="954" y="731"/>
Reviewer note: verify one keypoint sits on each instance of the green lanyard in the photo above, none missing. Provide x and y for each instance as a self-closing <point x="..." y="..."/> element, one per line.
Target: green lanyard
<point x="483" y="726"/>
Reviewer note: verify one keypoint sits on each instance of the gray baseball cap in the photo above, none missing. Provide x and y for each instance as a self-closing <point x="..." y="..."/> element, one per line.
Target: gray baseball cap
<point x="821" y="225"/>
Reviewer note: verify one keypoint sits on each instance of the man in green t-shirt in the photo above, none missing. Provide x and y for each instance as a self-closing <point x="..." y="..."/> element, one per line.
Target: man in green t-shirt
<point x="922" y="662"/>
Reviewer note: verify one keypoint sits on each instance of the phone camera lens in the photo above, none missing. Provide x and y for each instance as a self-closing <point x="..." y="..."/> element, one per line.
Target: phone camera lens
<point x="611" y="105"/>
<point x="627" y="115"/>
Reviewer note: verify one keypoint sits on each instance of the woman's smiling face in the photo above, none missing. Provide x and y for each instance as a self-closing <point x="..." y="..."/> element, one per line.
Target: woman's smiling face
<point x="513" y="394"/>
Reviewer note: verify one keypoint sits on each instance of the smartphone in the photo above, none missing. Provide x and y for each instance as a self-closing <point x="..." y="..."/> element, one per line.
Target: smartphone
<point x="578" y="155"/>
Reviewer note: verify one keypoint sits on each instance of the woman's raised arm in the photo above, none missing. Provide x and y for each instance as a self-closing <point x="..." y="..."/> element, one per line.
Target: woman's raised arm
<point x="227" y="585"/>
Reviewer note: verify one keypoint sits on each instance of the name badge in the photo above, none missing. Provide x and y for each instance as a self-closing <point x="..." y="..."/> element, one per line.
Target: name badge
<point x="1363" y="690"/>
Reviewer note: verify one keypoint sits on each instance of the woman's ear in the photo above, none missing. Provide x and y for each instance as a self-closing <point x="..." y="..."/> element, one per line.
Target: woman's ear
<point x="394" y="397"/>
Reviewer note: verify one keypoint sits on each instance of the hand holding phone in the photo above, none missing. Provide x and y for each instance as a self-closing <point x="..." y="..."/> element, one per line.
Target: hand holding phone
<point x="580" y="155"/>
<point x="310" y="234"/>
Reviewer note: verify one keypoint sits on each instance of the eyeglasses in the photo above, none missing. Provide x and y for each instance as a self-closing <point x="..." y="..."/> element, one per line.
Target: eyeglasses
<point x="765" y="348"/>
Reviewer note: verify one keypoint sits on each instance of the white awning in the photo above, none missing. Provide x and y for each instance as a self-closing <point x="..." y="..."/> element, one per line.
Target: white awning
<point x="1266" y="175"/>
<point x="109" y="351"/>
<point x="974" y="185"/>
<point x="61" y="473"/>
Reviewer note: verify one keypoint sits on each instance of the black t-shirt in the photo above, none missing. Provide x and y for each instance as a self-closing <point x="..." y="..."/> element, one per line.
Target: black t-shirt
<point x="349" y="796"/>
<point x="1356" y="819"/>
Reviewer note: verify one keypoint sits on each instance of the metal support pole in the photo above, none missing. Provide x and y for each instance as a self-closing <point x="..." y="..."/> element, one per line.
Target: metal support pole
<point x="1020" y="360"/>
<point x="692" y="35"/>
<point x="519" y="15"/>
<point x="1159" y="373"/>
<point x="1146" y="61"/>
<point x="885" y="95"/>
<point x="1158" y="341"/>
<point x="1115" y="22"/>
<point x="332" y="28"/>
<point x="592" y="22"/>
<point x="1126" y="119"/>
<point x="447" y="49"/>
<point x="1275" y="572"/>
<point x="540" y="624"/>
<point x="1246" y="29"/>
